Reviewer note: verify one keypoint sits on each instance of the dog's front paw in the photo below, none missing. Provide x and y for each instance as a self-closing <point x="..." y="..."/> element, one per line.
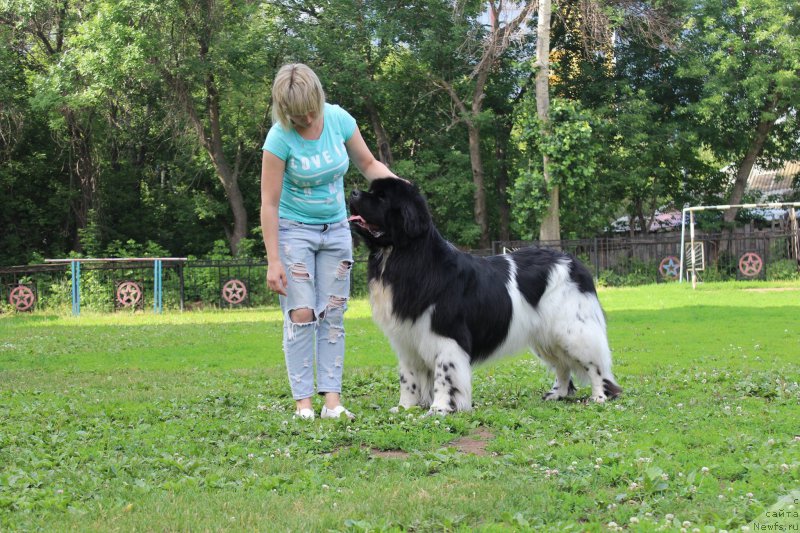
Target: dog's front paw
<point x="559" y="392"/>
<point x="553" y="395"/>
<point x="399" y="408"/>
<point x="438" y="411"/>
<point x="600" y="398"/>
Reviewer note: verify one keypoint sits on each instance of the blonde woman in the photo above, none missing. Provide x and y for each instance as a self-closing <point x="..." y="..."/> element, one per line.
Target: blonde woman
<point x="306" y="234"/>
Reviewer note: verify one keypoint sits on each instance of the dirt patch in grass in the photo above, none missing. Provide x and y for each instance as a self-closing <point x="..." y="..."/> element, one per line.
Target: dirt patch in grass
<point x="474" y="443"/>
<point x="389" y="454"/>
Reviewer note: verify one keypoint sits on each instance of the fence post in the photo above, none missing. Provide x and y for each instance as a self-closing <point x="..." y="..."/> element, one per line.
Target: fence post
<point x="181" y="284"/>
<point x="157" y="305"/>
<point x="596" y="262"/>
<point x="76" y="288"/>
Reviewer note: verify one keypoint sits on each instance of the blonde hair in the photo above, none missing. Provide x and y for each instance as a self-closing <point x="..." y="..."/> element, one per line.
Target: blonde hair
<point x="296" y="91"/>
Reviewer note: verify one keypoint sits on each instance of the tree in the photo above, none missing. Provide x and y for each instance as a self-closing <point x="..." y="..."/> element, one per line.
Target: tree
<point x="206" y="61"/>
<point x="591" y="23"/>
<point x="499" y="35"/>
<point x="746" y="52"/>
<point x="41" y="33"/>
<point x="655" y="154"/>
<point x="209" y="42"/>
<point x="573" y="148"/>
<point x="383" y="76"/>
<point x="550" y="229"/>
<point x="34" y="195"/>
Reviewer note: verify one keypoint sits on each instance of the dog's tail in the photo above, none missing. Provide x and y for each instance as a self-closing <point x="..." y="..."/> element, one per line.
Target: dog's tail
<point x="611" y="387"/>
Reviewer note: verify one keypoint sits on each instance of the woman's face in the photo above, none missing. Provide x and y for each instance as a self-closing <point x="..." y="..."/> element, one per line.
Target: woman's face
<point x="302" y="122"/>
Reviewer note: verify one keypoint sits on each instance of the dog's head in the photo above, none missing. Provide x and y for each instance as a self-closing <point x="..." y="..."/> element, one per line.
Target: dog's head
<point x="391" y="213"/>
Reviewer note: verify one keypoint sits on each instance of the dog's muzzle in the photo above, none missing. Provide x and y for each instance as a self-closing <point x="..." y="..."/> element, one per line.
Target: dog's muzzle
<point x="373" y="229"/>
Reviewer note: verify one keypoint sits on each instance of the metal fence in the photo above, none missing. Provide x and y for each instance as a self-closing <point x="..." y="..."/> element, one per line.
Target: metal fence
<point x="117" y="286"/>
<point x="656" y="258"/>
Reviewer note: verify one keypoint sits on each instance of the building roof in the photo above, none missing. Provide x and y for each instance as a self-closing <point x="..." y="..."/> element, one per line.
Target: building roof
<point x="662" y="221"/>
<point x="773" y="182"/>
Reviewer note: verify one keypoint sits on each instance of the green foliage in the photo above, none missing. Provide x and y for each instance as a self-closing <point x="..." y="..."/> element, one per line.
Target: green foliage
<point x="783" y="270"/>
<point x="99" y="142"/>
<point x="745" y="54"/>
<point x="133" y="249"/>
<point x="572" y="151"/>
<point x="34" y="193"/>
<point x="629" y="274"/>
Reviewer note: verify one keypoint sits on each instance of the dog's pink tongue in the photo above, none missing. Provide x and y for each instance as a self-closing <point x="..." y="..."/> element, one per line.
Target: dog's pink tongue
<point x="356" y="218"/>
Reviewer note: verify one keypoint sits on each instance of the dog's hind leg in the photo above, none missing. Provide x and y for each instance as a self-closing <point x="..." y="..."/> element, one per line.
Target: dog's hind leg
<point x="557" y="361"/>
<point x="604" y="387"/>
<point x="585" y="345"/>
<point x="563" y="386"/>
<point x="603" y="380"/>
<point x="598" y="372"/>
<point x="452" y="385"/>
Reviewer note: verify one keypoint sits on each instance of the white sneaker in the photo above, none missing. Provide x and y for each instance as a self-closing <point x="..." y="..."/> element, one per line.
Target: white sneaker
<point x="304" y="414"/>
<point x="336" y="412"/>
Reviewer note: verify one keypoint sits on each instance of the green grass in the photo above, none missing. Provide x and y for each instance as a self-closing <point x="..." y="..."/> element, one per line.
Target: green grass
<point x="183" y="422"/>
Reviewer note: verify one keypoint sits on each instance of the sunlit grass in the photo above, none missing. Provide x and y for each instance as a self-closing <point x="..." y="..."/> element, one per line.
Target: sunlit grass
<point x="183" y="422"/>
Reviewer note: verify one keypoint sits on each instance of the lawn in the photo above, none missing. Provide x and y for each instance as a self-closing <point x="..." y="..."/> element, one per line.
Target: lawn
<point x="183" y="422"/>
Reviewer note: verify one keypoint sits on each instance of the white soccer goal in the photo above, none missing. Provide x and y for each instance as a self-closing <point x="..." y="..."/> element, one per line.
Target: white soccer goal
<point x="692" y="251"/>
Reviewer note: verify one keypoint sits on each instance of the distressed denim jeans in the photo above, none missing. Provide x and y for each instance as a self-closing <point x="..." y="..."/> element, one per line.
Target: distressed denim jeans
<point x="317" y="260"/>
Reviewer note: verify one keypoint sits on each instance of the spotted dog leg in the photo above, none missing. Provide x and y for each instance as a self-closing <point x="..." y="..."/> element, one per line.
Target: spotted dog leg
<point x="452" y="382"/>
<point x="563" y="386"/>
<point x="416" y="381"/>
<point x="409" y="387"/>
<point x="603" y="385"/>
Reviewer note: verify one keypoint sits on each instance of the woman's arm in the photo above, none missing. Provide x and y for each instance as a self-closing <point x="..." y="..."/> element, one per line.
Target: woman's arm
<point x="272" y="168"/>
<point x="362" y="157"/>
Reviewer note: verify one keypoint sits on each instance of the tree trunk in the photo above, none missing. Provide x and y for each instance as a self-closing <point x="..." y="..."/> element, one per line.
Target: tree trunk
<point x="481" y="216"/>
<point x="84" y="168"/>
<point x="476" y="162"/>
<point x="550" y="229"/>
<point x="384" y="148"/>
<point x="745" y="167"/>
<point x="211" y="140"/>
<point x="502" y="184"/>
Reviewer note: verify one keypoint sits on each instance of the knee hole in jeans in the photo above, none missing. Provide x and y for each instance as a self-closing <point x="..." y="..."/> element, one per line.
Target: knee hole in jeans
<point x="302" y="315"/>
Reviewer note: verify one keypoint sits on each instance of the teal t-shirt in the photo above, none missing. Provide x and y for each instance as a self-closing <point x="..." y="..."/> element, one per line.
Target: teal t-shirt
<point x="313" y="184"/>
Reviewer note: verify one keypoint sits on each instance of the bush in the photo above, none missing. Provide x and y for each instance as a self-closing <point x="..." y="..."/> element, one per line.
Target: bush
<point x="629" y="273"/>
<point x="784" y="270"/>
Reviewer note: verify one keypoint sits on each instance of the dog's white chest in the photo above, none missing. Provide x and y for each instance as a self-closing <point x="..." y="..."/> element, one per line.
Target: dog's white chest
<point x="380" y="299"/>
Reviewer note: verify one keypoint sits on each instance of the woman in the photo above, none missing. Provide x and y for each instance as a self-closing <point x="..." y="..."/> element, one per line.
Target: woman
<point x="304" y="222"/>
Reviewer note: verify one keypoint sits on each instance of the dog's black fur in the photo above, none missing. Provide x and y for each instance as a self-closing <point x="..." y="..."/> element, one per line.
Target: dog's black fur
<point x="444" y="310"/>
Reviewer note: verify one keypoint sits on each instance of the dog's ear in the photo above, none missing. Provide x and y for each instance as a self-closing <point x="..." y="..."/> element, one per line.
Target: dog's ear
<point x="408" y="221"/>
<point x="415" y="219"/>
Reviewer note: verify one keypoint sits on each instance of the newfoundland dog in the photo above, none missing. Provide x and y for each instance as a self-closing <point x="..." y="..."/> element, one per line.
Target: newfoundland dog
<point x="444" y="310"/>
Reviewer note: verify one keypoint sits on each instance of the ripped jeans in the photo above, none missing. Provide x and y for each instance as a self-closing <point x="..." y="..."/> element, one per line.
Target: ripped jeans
<point x="317" y="260"/>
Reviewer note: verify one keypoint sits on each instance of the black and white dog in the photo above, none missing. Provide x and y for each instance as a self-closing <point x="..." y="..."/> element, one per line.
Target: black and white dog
<point x="444" y="310"/>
